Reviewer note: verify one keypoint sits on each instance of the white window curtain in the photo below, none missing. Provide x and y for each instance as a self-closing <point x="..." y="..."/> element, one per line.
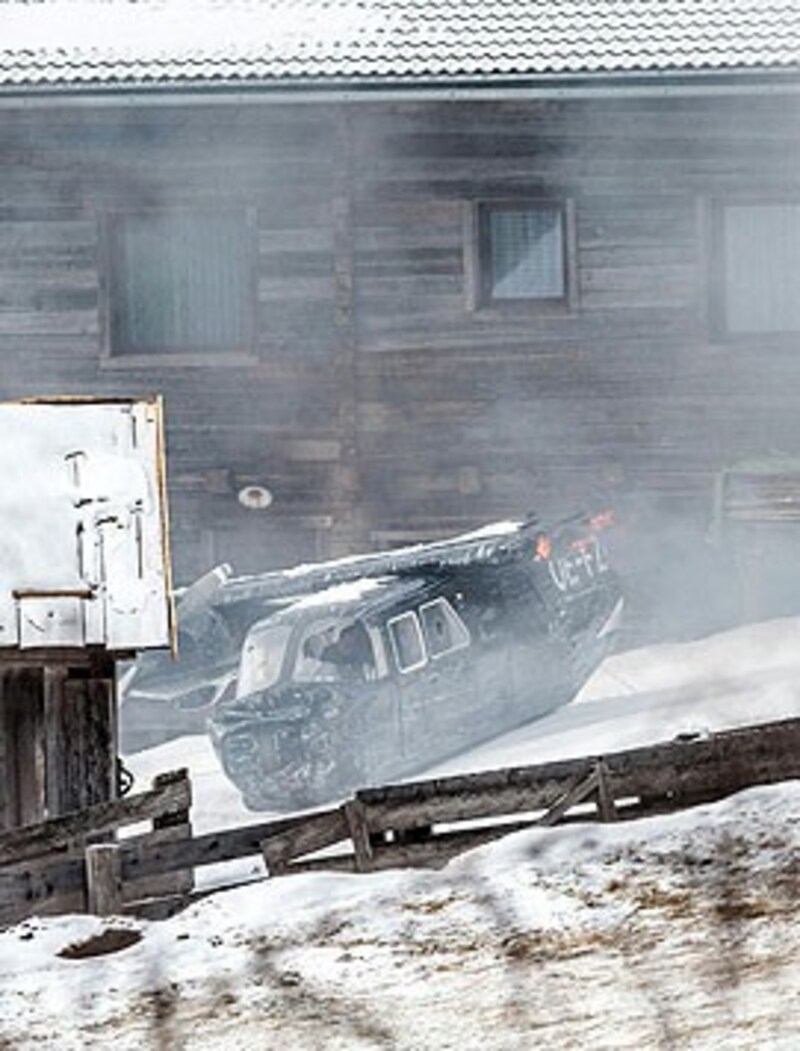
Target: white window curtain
<point x="761" y="261"/>
<point x="180" y="282"/>
<point x="526" y="253"/>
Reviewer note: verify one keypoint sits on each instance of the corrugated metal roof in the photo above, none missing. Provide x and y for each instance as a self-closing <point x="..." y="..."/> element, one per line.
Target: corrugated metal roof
<point x="185" y="42"/>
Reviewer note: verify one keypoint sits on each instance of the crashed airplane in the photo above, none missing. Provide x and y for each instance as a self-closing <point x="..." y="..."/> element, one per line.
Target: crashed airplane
<point x="315" y="680"/>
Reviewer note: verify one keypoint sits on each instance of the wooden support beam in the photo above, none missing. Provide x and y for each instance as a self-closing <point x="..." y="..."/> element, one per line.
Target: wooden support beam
<point x="347" y="533"/>
<point x="582" y="790"/>
<point x="21" y="722"/>
<point x="53" y="743"/>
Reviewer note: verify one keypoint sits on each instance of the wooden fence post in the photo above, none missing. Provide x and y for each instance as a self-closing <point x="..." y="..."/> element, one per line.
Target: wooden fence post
<point x="606" y="807"/>
<point x="169" y="828"/>
<point x="355" y="814"/>
<point x="103" y="880"/>
<point x="274" y="858"/>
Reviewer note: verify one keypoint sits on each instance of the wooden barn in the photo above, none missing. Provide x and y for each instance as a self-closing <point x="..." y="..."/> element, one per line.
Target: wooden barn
<point x="400" y="269"/>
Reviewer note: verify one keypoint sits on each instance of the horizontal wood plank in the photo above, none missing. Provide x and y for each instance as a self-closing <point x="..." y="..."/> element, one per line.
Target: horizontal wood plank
<point x="62" y="834"/>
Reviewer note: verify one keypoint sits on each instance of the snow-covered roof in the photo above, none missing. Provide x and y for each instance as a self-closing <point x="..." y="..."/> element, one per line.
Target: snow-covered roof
<point x="170" y="43"/>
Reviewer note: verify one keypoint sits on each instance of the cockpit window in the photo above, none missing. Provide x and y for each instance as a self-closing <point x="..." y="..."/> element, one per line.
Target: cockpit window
<point x="407" y="642"/>
<point x="309" y="665"/>
<point x="444" y="630"/>
<point x="334" y="653"/>
<point x="262" y="657"/>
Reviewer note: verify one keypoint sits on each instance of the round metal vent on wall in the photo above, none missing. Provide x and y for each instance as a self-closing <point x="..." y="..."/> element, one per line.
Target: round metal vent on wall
<point x="255" y="497"/>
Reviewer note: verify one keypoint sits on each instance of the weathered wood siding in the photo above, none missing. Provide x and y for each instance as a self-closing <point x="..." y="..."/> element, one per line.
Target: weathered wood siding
<point x="379" y="405"/>
<point x="469" y="413"/>
<point x="58" y="734"/>
<point x="272" y="419"/>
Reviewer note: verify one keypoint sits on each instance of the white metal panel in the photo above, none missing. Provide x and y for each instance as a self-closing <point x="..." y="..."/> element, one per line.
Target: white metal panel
<point x="83" y="549"/>
<point x="50" y="622"/>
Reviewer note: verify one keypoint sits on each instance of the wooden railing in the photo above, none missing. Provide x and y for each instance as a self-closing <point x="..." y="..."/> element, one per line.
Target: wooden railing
<point x="79" y="863"/>
<point x="428" y="822"/>
<point x="73" y="863"/>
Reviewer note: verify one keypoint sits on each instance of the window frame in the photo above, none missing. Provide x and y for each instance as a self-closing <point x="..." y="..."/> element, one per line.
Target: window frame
<point x="407" y="615"/>
<point x="477" y="263"/>
<point x="111" y="356"/>
<point x="714" y="243"/>
<point x="454" y="620"/>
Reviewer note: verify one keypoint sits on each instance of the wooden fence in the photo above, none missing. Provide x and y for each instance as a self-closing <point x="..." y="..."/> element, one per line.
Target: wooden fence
<point x="428" y="822"/>
<point x="77" y="863"/>
<point x="72" y="863"/>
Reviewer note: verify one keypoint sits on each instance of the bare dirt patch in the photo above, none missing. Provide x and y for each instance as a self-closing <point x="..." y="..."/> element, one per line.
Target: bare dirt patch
<point x="110" y="940"/>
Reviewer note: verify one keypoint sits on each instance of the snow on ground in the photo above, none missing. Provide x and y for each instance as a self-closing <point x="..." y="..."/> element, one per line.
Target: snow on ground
<point x="749" y="675"/>
<point x="678" y="931"/>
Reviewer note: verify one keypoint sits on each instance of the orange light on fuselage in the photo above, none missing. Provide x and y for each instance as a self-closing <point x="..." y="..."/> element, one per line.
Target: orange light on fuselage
<point x="602" y="520"/>
<point x="543" y="547"/>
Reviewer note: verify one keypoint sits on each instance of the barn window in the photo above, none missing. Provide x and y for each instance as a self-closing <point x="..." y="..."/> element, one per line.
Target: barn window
<point x="756" y="272"/>
<point x="179" y="282"/>
<point x="523" y="253"/>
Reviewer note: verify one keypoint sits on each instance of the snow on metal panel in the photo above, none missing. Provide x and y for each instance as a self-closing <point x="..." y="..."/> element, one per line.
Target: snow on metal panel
<point x="83" y="549"/>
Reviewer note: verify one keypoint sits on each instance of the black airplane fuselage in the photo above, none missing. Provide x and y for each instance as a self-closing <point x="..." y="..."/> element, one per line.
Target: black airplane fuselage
<point x="374" y="679"/>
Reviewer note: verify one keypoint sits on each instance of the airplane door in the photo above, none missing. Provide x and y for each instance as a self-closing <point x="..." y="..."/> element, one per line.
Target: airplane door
<point x="410" y="658"/>
<point x="432" y="652"/>
<point x="379" y="716"/>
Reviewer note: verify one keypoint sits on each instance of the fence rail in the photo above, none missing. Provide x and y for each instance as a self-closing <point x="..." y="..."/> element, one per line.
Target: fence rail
<point x="78" y="863"/>
<point x="428" y="822"/>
